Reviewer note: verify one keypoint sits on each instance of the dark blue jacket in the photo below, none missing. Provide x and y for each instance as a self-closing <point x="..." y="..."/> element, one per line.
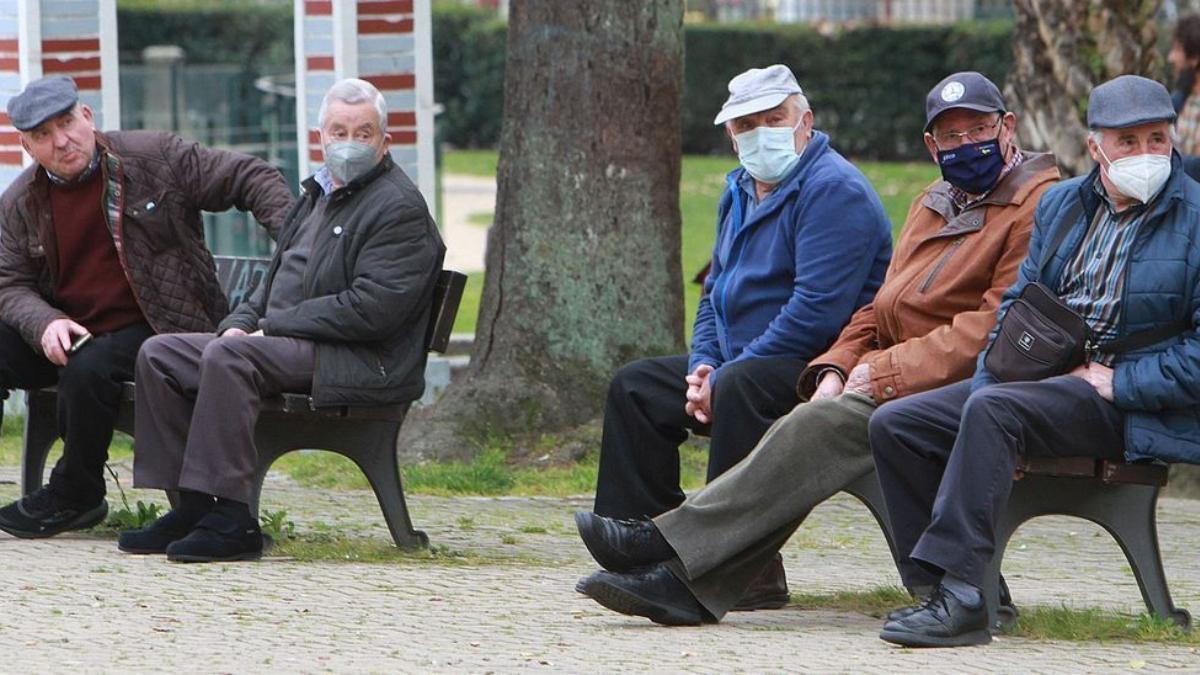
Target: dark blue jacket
<point x="1158" y="387"/>
<point x="785" y="282"/>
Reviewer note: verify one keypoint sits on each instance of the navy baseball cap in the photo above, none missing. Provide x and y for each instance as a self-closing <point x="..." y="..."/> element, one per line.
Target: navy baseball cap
<point x="42" y="100"/>
<point x="968" y="90"/>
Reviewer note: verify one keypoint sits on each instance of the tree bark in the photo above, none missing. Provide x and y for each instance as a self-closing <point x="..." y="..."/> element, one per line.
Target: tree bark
<point x="1063" y="48"/>
<point x="583" y="261"/>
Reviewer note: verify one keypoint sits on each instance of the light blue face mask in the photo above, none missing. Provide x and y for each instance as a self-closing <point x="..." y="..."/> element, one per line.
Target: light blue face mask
<point x="768" y="153"/>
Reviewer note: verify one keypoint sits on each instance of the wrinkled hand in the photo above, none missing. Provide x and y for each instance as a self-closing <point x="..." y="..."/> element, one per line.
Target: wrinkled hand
<point x="233" y="332"/>
<point x="258" y="333"/>
<point x="830" y="386"/>
<point x="859" y="381"/>
<point x="1097" y="375"/>
<point x="699" y="394"/>
<point x="56" y="339"/>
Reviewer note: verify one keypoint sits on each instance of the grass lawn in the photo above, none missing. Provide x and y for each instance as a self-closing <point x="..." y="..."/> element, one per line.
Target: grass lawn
<point x="703" y="179"/>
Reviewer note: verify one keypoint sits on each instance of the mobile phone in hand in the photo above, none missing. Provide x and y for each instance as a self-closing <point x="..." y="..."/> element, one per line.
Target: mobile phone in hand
<point x="79" y="342"/>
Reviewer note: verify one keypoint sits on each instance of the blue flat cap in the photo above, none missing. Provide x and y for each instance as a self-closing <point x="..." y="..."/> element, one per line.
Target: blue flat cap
<point x="1127" y="101"/>
<point x="42" y="100"/>
<point x="967" y="89"/>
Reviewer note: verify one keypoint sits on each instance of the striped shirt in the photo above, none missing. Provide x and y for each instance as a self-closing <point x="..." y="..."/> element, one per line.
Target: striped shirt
<point x="1187" y="127"/>
<point x="1093" y="280"/>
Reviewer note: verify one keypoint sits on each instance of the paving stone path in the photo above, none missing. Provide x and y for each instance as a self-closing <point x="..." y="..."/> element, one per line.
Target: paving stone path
<point x="77" y="604"/>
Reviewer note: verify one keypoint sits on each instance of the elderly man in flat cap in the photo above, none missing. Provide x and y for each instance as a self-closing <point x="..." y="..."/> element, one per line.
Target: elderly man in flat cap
<point x="802" y="242"/>
<point x="962" y="243"/>
<point x="102" y="246"/>
<point x="1120" y="248"/>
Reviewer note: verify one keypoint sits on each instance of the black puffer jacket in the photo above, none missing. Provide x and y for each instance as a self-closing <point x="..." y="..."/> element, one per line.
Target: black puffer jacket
<point x="156" y="185"/>
<point x="367" y="289"/>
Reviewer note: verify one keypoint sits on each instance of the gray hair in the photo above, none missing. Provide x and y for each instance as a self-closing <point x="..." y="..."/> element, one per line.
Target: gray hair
<point x="353" y="91"/>
<point x="798" y="102"/>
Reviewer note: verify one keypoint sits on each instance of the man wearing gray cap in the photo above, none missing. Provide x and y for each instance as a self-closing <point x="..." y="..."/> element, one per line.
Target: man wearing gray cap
<point x="961" y="245"/>
<point x="102" y="246"/>
<point x="1120" y="248"/>
<point x="802" y="242"/>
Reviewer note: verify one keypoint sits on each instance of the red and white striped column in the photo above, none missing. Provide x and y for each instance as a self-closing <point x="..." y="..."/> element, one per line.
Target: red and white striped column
<point x="386" y="42"/>
<point x="57" y="37"/>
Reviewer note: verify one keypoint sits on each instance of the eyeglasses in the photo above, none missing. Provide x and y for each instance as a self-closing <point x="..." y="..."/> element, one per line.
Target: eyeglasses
<point x="952" y="139"/>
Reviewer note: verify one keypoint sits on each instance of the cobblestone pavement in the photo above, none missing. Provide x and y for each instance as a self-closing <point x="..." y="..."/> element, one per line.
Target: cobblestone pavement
<point x="77" y="604"/>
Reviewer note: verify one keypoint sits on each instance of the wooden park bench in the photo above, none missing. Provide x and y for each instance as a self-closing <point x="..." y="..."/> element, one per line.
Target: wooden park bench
<point x="365" y="435"/>
<point x="1119" y="497"/>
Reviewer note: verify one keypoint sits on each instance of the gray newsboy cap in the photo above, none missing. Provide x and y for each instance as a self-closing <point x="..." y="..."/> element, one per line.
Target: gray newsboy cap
<point x="1127" y="101"/>
<point x="756" y="90"/>
<point x="42" y="100"/>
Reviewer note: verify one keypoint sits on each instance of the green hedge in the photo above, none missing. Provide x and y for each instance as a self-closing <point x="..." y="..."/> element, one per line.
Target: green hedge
<point x="259" y="36"/>
<point x="867" y="86"/>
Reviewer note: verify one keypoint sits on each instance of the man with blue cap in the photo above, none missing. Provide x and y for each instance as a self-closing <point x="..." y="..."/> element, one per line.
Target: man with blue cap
<point x="1119" y="247"/>
<point x="102" y="246"/>
<point x="802" y="242"/>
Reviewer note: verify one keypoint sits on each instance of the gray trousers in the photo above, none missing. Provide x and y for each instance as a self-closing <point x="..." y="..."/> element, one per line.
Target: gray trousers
<point x="727" y="532"/>
<point x="198" y="398"/>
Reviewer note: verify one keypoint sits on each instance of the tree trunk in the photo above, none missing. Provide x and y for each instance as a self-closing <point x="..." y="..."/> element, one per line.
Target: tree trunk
<point x="583" y="261"/>
<point x="1063" y="48"/>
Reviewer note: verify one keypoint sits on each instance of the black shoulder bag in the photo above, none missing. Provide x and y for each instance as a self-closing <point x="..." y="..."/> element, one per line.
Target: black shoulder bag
<point x="1040" y="336"/>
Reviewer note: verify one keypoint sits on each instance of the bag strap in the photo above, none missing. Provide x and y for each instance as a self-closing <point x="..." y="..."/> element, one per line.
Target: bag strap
<point x="1146" y="337"/>
<point x="1059" y="236"/>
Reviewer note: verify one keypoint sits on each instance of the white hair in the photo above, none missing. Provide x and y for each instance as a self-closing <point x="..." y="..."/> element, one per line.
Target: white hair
<point x="798" y="102"/>
<point x="353" y="91"/>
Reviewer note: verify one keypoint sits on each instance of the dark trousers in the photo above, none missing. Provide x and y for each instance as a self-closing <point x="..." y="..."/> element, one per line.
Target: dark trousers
<point x="89" y="395"/>
<point x="946" y="460"/>
<point x="645" y="421"/>
<point x="198" y="398"/>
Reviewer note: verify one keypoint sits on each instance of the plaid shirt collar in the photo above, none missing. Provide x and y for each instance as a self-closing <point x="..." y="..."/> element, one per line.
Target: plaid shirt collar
<point x="962" y="199"/>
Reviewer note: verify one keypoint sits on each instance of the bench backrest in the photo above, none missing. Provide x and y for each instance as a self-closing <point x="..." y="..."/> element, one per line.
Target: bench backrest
<point x="240" y="276"/>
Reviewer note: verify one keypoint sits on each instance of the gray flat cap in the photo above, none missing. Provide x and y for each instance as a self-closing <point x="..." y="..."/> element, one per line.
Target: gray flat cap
<point x="967" y="89"/>
<point x="42" y="100"/>
<point x="1127" y="101"/>
<point x="756" y="90"/>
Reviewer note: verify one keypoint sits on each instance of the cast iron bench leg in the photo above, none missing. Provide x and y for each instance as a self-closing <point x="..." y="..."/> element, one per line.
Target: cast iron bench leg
<point x="378" y="461"/>
<point x="41" y="431"/>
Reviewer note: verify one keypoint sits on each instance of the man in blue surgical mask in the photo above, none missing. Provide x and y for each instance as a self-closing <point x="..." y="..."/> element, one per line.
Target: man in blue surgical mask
<point x="802" y="242"/>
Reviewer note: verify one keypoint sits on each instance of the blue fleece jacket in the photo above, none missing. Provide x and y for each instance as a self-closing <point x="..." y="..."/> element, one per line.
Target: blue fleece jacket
<point x="785" y="280"/>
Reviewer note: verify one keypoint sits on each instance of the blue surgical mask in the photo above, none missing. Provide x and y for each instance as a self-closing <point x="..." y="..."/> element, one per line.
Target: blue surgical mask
<point x="768" y="153"/>
<point x="972" y="167"/>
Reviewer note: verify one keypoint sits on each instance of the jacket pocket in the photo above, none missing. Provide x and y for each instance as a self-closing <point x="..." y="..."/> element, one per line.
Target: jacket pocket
<point x="150" y="219"/>
<point x="954" y="246"/>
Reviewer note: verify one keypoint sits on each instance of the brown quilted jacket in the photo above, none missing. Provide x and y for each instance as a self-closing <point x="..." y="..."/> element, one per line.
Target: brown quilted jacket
<point x="938" y="301"/>
<point x="156" y="185"/>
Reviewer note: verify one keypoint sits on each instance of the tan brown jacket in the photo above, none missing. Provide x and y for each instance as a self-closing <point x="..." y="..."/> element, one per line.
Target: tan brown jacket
<point x="938" y="301"/>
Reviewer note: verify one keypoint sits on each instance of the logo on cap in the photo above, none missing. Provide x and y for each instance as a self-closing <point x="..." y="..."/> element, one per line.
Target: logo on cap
<point x="952" y="92"/>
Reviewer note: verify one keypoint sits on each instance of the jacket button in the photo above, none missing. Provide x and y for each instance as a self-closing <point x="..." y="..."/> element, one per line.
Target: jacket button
<point x="337" y="229"/>
<point x="889" y="391"/>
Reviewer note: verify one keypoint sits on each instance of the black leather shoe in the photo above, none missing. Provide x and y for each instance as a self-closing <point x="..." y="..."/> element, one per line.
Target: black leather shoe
<point x="155" y="537"/>
<point x="654" y="593"/>
<point x="622" y="545"/>
<point x="218" y="538"/>
<point x="41" y="514"/>
<point x="943" y="621"/>
<point x="1007" y="613"/>
<point x="769" y="590"/>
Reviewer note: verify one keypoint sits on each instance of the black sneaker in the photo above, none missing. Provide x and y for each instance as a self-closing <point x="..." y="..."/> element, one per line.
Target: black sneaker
<point x="218" y="538"/>
<point x="155" y="537"/>
<point x="40" y="514"/>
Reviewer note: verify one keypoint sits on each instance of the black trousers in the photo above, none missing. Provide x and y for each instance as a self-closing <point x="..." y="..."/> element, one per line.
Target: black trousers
<point x="946" y="460"/>
<point x="89" y="395"/>
<point x="645" y="421"/>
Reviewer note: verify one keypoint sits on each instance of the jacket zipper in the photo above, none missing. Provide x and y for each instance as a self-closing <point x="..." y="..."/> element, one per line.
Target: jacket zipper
<point x="118" y="232"/>
<point x="954" y="246"/>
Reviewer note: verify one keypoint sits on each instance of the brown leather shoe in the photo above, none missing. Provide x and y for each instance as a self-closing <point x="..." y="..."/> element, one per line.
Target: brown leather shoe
<point x="769" y="589"/>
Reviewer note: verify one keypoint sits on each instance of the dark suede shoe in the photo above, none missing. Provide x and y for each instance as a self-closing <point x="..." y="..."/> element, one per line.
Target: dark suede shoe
<point x="1007" y="614"/>
<point x="155" y="537"/>
<point x="41" y="514"/>
<point x="769" y="590"/>
<point x="654" y="593"/>
<point x="218" y="538"/>
<point x="622" y="545"/>
<point x="943" y="621"/>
